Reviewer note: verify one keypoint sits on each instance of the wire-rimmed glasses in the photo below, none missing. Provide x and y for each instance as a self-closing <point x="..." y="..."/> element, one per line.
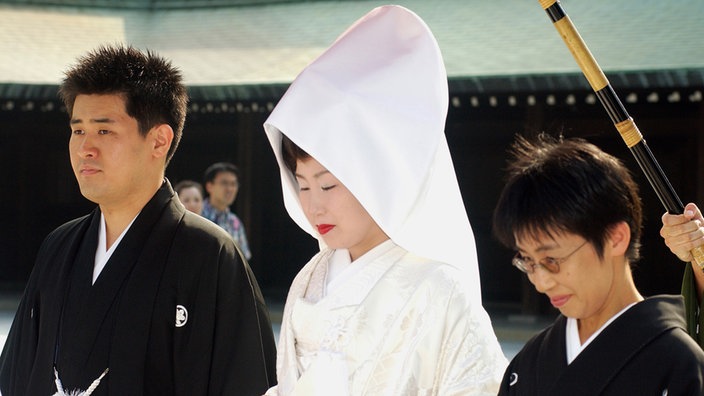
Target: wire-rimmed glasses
<point x="550" y="264"/>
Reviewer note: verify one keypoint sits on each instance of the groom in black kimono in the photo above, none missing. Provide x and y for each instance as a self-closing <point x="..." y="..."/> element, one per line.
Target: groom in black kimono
<point x="139" y="297"/>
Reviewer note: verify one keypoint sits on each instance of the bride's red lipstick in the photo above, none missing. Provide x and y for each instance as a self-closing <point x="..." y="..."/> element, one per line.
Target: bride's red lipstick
<point x="325" y="228"/>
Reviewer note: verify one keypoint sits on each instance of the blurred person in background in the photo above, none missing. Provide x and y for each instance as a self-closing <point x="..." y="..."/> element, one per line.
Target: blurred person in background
<point x="190" y="193"/>
<point x="222" y="182"/>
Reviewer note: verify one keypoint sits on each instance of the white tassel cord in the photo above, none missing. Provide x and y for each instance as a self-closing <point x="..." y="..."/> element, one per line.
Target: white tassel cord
<point x="76" y="392"/>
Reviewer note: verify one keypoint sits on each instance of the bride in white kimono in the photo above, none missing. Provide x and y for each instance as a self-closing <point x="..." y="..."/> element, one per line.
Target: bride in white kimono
<point x="391" y="304"/>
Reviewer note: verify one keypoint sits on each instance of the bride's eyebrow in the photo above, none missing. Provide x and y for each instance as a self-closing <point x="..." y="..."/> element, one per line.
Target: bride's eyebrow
<point x="315" y="176"/>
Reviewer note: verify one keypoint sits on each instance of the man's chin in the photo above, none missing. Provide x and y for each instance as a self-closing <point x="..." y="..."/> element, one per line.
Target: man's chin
<point x="90" y="194"/>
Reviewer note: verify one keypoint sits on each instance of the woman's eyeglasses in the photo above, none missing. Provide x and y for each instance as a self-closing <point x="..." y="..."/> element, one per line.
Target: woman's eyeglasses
<point x="550" y="264"/>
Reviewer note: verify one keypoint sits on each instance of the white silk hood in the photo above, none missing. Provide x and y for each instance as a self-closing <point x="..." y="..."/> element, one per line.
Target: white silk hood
<point x="371" y="109"/>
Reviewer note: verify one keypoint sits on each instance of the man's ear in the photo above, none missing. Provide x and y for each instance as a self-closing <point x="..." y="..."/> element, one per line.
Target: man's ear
<point x="208" y="186"/>
<point x="161" y="136"/>
<point x="619" y="238"/>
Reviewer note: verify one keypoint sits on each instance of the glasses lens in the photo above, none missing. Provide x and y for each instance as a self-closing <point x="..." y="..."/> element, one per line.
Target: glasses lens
<point x="550" y="264"/>
<point x="521" y="264"/>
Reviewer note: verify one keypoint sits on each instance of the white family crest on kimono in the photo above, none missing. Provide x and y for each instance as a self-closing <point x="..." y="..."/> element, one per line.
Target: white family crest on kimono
<point x="181" y="316"/>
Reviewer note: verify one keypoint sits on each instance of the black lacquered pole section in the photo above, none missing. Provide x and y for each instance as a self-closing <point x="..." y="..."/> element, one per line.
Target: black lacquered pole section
<point x="655" y="175"/>
<point x="640" y="150"/>
<point x="617" y="113"/>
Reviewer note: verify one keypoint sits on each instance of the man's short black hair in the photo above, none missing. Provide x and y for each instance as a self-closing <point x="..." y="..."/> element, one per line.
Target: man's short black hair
<point x="218" y="167"/>
<point x="152" y="88"/>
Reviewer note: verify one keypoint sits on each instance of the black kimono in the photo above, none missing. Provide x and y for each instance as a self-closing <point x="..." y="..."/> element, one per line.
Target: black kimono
<point x="174" y="312"/>
<point x="645" y="351"/>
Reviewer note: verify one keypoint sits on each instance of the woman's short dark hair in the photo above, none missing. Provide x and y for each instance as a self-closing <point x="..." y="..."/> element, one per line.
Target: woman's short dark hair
<point x="566" y="185"/>
<point x="291" y="153"/>
<point x="152" y="88"/>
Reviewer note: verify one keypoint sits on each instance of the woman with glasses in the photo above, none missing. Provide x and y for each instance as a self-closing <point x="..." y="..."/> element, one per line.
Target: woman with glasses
<point x="573" y="214"/>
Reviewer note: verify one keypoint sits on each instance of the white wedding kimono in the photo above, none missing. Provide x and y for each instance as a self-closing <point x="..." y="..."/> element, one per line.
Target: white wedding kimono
<point x="378" y="334"/>
<point x="406" y="317"/>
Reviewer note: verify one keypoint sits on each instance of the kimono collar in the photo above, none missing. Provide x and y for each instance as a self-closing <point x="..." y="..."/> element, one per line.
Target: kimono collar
<point x="371" y="109"/>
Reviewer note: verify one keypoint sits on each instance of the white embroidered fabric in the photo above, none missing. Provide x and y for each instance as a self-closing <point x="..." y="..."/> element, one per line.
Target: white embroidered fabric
<point x="435" y="340"/>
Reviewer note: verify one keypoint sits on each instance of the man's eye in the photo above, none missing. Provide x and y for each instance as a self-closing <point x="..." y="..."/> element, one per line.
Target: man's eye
<point x="77" y="132"/>
<point x="103" y="132"/>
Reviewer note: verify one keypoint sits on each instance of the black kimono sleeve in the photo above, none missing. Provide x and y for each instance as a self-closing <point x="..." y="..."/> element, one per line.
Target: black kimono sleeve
<point x="20" y="347"/>
<point x="28" y="352"/>
<point x="243" y="329"/>
<point x="227" y="347"/>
